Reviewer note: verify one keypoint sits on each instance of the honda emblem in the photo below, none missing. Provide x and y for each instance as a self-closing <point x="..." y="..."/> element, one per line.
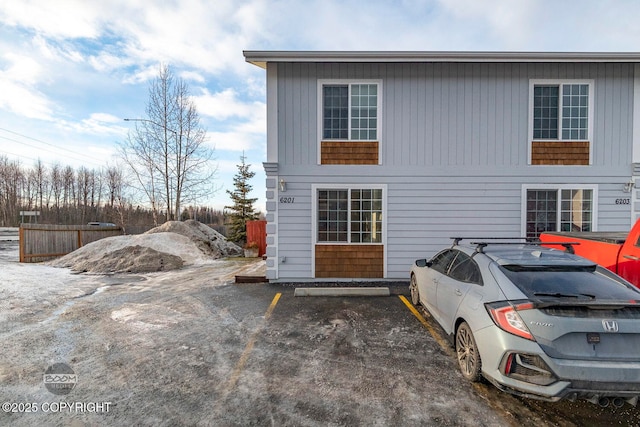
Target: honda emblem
<point x="610" y="325"/>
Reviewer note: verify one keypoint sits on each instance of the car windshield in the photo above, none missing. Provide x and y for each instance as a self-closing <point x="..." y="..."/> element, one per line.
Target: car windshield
<point x="569" y="282"/>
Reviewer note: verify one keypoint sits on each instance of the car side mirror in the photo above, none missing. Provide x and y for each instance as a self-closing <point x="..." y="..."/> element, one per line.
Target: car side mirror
<point x="423" y="263"/>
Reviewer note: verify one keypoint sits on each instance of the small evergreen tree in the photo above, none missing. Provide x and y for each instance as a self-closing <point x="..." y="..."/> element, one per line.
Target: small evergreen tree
<point x="242" y="208"/>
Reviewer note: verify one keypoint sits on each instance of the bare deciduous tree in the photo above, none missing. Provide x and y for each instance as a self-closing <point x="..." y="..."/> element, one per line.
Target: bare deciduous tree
<point x="12" y="183"/>
<point x="56" y="187"/>
<point x="166" y="151"/>
<point x="85" y="187"/>
<point x="40" y="176"/>
<point x="60" y="199"/>
<point x="117" y="201"/>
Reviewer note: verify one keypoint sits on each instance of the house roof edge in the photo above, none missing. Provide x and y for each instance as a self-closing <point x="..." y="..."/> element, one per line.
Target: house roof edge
<point x="261" y="58"/>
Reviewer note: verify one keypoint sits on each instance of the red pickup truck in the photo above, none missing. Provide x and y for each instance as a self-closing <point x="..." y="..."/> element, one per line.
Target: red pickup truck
<point x="617" y="251"/>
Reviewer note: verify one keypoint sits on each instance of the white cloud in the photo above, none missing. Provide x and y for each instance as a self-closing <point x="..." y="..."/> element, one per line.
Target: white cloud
<point x="105" y="118"/>
<point x="141" y="75"/>
<point x="107" y="62"/>
<point x="58" y="19"/>
<point x="17" y="91"/>
<point x="192" y="33"/>
<point x="234" y="141"/>
<point x="192" y="76"/>
<point x="225" y="104"/>
<point x="98" y="127"/>
<point x="22" y="68"/>
<point x="241" y="125"/>
<point x="228" y="166"/>
<point x="100" y="124"/>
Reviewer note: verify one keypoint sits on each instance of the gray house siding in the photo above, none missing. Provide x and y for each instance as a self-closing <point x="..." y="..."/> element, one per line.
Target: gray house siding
<point x="454" y="153"/>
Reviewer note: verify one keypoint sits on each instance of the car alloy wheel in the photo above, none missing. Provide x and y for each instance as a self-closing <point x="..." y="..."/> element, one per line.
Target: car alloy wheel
<point x="413" y="287"/>
<point x="467" y="353"/>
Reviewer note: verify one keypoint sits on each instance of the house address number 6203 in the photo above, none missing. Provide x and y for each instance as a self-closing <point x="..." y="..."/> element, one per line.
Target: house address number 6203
<point x="287" y="199"/>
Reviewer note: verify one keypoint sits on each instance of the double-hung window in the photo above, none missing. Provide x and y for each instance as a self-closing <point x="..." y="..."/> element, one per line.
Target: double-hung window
<point x="349" y="215"/>
<point x="562" y="110"/>
<point x="565" y="208"/>
<point x="350" y="111"/>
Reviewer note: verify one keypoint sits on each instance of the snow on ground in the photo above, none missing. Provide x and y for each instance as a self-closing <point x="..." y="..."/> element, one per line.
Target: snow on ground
<point x="9" y="233"/>
<point x="193" y="244"/>
<point x="29" y="287"/>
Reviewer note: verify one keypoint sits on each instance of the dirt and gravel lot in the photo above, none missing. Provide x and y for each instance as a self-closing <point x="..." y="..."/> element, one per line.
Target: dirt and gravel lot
<point x="190" y="347"/>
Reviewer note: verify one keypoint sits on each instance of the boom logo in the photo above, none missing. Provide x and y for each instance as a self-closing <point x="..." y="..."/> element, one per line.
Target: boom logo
<point x="60" y="379"/>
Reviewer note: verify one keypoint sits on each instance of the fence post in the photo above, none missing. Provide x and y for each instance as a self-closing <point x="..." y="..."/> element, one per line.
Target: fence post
<point x="21" y="242"/>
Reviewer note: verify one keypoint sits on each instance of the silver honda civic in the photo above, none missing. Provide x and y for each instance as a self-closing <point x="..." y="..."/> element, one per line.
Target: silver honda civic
<point x="534" y="321"/>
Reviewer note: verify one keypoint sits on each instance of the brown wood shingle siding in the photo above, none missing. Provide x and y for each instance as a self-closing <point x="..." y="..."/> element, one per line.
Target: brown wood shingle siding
<point x="350" y="261"/>
<point x="560" y="153"/>
<point x="349" y="152"/>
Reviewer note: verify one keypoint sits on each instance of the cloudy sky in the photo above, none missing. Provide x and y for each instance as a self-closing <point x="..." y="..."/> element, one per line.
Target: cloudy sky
<point x="72" y="70"/>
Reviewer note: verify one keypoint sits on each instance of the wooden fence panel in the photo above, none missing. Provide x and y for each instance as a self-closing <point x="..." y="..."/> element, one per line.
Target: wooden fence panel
<point x="43" y="242"/>
<point x="257" y="232"/>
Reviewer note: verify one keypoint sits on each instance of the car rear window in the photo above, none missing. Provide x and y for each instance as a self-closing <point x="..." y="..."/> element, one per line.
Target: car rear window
<point x="569" y="282"/>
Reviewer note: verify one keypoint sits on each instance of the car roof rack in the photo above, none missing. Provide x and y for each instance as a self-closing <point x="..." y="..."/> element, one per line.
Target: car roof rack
<point x="534" y="240"/>
<point x="485" y="241"/>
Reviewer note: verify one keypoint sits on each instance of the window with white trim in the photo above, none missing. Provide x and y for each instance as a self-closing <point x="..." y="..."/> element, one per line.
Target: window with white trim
<point x="350" y="111"/>
<point x="559" y="209"/>
<point x="350" y="215"/>
<point x="561" y="111"/>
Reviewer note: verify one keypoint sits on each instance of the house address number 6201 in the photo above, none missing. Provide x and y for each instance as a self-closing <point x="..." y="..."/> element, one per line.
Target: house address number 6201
<point x="287" y="199"/>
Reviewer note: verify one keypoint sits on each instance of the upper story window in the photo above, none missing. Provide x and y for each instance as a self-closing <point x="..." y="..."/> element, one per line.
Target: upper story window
<point x="562" y="110"/>
<point x="350" y="111"/>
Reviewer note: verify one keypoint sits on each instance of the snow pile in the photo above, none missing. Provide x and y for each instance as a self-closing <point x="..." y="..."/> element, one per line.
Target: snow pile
<point x="208" y="240"/>
<point x="167" y="247"/>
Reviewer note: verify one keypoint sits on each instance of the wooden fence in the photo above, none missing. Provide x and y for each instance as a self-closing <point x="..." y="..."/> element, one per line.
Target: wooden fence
<point x="257" y="232"/>
<point x="43" y="242"/>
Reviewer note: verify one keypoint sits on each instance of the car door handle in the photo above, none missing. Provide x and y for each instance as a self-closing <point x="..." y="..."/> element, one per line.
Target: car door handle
<point x="631" y="257"/>
<point x="458" y="292"/>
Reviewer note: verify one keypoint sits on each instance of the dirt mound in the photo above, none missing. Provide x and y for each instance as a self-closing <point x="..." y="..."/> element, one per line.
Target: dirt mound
<point x="208" y="240"/>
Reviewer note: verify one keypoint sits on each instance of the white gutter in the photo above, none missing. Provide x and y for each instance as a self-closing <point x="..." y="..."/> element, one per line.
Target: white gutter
<point x="261" y="58"/>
